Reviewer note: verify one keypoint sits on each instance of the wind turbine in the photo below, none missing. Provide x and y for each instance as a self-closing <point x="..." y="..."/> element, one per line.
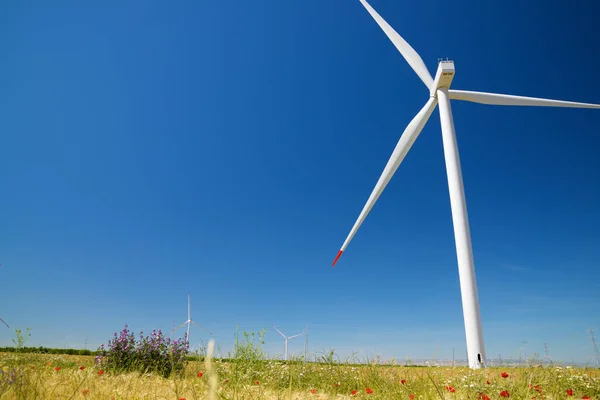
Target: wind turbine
<point x="286" y="341"/>
<point x="189" y="322"/>
<point x="440" y="92"/>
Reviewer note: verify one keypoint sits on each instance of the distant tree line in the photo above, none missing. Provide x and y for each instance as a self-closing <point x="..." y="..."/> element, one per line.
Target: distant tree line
<point x="47" y="350"/>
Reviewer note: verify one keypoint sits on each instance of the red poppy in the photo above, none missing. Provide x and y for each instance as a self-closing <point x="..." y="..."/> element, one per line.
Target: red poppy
<point x="200" y="374"/>
<point x="488" y="382"/>
<point x="484" y="396"/>
<point x="411" y="396"/>
<point x="369" y="390"/>
<point x="569" y="392"/>
<point x="226" y="380"/>
<point x="403" y="381"/>
<point x="85" y="392"/>
<point x="353" y="392"/>
<point x="504" y="375"/>
<point x="57" y="368"/>
<point x="450" y="389"/>
<point x="586" y="397"/>
<point x="336" y="384"/>
<point x="48" y="363"/>
<point x="183" y="398"/>
<point x="538" y="388"/>
<point x="82" y="368"/>
<point x="101" y="372"/>
<point x="313" y="391"/>
<point x="504" y="393"/>
<point x="256" y="382"/>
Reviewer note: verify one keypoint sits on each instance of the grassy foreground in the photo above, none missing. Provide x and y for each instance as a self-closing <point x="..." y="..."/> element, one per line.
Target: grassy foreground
<point x="44" y="376"/>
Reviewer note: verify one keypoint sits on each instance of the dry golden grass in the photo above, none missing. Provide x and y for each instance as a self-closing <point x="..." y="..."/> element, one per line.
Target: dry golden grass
<point x="277" y="380"/>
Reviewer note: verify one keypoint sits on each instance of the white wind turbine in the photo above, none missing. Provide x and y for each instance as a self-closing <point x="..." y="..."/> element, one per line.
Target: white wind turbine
<point x="285" y="352"/>
<point x="4" y="322"/>
<point x="440" y="92"/>
<point x="189" y="322"/>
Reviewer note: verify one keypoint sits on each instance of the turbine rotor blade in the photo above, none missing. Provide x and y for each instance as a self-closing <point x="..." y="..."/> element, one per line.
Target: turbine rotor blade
<point x="5" y="323"/>
<point x="280" y="333"/>
<point x="409" y="54"/>
<point x="511" y="100"/>
<point x="291" y="337"/>
<point x="194" y="322"/>
<point x="407" y="139"/>
<point x="179" y="327"/>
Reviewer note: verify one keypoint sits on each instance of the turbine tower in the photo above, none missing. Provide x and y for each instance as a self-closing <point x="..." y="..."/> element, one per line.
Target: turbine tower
<point x="439" y="92"/>
<point x="306" y="343"/>
<point x="189" y="322"/>
<point x="285" y="349"/>
<point x="596" y="351"/>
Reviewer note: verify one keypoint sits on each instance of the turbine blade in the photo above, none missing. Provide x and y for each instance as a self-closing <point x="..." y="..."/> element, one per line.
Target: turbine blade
<point x="194" y="322"/>
<point x="5" y="323"/>
<point x="407" y="139"/>
<point x="291" y="337"/>
<point x="409" y="54"/>
<point x="280" y="333"/>
<point x="511" y="100"/>
<point x="180" y="326"/>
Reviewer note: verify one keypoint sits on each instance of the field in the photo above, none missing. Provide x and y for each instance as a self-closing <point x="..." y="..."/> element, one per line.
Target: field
<point x="45" y="376"/>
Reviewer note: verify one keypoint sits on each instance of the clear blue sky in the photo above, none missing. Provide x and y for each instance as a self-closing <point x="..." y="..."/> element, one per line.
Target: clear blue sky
<point x="225" y="148"/>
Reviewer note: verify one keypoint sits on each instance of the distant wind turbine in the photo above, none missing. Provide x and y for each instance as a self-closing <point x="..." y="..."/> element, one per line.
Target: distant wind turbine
<point x="439" y="92"/>
<point x="189" y="322"/>
<point x="285" y="351"/>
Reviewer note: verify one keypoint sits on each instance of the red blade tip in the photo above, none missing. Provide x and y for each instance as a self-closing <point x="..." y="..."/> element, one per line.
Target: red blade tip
<point x="337" y="258"/>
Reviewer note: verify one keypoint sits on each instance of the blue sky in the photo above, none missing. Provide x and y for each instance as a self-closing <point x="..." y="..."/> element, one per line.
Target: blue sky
<point x="226" y="148"/>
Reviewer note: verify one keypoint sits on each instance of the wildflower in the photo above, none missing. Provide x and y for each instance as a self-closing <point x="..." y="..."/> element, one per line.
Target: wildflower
<point x="85" y="392"/>
<point x="256" y="382"/>
<point x="411" y="396"/>
<point x="82" y="368"/>
<point x="569" y="392"/>
<point x="586" y="397"/>
<point x="57" y="368"/>
<point x="504" y="393"/>
<point x="488" y="382"/>
<point x="48" y="364"/>
<point x="226" y="380"/>
<point x="313" y="391"/>
<point x="403" y="381"/>
<point x="101" y="372"/>
<point x="504" y="375"/>
<point x="484" y="396"/>
<point x="450" y="389"/>
<point x="200" y="374"/>
<point x="369" y="390"/>
<point x="353" y="393"/>
<point x="336" y="384"/>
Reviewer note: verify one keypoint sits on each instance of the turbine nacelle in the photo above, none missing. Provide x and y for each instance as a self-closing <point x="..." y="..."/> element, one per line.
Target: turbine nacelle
<point x="443" y="77"/>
